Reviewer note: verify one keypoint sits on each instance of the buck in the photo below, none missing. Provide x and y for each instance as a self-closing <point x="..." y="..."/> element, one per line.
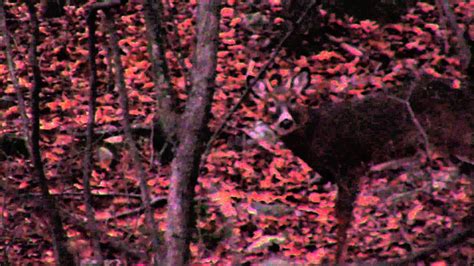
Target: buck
<point x="341" y="140"/>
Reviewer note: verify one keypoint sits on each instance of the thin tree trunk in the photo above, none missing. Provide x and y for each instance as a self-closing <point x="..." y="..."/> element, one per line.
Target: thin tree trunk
<point x="166" y="97"/>
<point x="11" y="69"/>
<point x="192" y="135"/>
<point x="88" y="158"/>
<point x="61" y="253"/>
<point x="464" y="52"/>
<point x="135" y="154"/>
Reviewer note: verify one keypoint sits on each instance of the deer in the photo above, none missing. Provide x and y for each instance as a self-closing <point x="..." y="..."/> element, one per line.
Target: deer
<point x="341" y="140"/>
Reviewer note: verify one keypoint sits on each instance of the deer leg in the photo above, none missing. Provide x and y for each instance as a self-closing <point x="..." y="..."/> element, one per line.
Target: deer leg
<point x="346" y="195"/>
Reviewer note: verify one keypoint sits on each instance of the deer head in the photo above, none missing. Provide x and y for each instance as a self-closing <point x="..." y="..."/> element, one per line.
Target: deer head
<point x="287" y="113"/>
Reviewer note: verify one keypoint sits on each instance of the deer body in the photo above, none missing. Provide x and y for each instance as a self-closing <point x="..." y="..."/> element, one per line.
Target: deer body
<point x="340" y="140"/>
<point x="340" y="137"/>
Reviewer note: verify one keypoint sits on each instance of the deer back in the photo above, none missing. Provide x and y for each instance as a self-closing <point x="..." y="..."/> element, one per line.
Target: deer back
<point x="337" y="138"/>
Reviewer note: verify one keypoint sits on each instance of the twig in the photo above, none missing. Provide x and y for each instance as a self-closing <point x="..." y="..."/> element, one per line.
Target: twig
<point x="394" y="164"/>
<point x="417" y="124"/>
<point x="156" y="201"/>
<point x="456" y="238"/>
<point x="78" y="194"/>
<point x="114" y="243"/>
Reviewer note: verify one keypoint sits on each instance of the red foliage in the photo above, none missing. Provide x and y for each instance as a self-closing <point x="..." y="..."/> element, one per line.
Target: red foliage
<point x="254" y="203"/>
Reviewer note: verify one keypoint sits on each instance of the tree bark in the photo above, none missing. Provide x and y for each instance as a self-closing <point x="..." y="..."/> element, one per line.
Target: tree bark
<point x="11" y="68"/>
<point x="166" y="98"/>
<point x="88" y="157"/>
<point x="192" y="135"/>
<point x="135" y="154"/>
<point x="463" y="48"/>
<point x="61" y="253"/>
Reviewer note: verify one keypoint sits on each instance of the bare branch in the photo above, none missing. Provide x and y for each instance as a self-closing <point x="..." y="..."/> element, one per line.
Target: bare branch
<point x="61" y="253"/>
<point x="137" y="161"/>
<point x="88" y="157"/>
<point x="464" y="51"/>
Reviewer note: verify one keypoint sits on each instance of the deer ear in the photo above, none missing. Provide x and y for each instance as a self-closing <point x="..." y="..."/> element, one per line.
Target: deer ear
<point x="301" y="81"/>
<point x="259" y="88"/>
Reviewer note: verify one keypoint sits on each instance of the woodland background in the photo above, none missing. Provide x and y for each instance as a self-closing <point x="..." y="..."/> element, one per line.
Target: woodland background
<point x="254" y="203"/>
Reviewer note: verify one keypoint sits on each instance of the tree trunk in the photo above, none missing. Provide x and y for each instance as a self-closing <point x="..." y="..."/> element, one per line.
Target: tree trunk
<point x="88" y="156"/>
<point x="192" y="136"/>
<point x="127" y="129"/>
<point x="156" y="48"/>
<point x="61" y="253"/>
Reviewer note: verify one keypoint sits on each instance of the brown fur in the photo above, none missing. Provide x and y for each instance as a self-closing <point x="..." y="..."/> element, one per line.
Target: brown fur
<point x="341" y="140"/>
